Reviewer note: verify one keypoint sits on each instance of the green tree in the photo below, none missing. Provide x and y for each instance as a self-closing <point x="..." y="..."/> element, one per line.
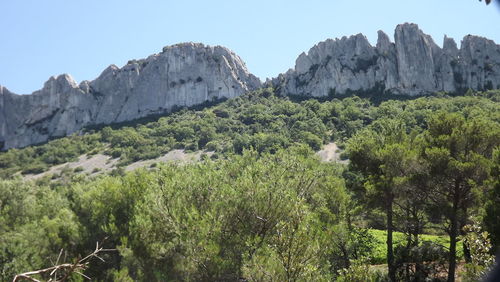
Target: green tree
<point x="385" y="156"/>
<point x="458" y="153"/>
<point x="491" y="218"/>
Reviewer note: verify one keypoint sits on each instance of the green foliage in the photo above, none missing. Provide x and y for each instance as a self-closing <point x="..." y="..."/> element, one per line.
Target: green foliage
<point x="478" y="242"/>
<point x="78" y="169"/>
<point x="430" y="245"/>
<point x="442" y="166"/>
<point x="257" y="119"/>
<point x="264" y="208"/>
<point x="492" y="209"/>
<point x="459" y="152"/>
<point x="360" y="271"/>
<point x="231" y="218"/>
<point x="35" y="222"/>
<point x="204" y="221"/>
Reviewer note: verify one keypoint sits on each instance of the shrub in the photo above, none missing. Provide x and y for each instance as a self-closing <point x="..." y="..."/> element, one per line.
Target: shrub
<point x="360" y="271"/>
<point x="78" y="169"/>
<point x="35" y="168"/>
<point x="479" y="245"/>
<point x="344" y="156"/>
<point x="213" y="146"/>
<point x="312" y="140"/>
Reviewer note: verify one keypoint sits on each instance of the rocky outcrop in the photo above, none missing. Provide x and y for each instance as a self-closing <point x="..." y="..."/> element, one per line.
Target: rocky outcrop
<point x="412" y="65"/>
<point x="182" y="75"/>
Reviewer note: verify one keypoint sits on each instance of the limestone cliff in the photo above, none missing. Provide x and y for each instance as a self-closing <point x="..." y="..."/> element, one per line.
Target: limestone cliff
<point x="182" y="75"/>
<point x="412" y="65"/>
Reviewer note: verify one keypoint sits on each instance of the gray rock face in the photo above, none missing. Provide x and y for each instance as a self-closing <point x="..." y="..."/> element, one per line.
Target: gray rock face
<point x="182" y="75"/>
<point x="412" y="65"/>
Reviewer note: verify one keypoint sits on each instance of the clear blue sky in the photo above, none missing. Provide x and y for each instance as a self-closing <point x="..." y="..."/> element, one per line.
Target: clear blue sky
<point x="39" y="39"/>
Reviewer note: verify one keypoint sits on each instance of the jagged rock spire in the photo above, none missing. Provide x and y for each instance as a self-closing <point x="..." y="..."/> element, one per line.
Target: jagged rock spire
<point x="412" y="65"/>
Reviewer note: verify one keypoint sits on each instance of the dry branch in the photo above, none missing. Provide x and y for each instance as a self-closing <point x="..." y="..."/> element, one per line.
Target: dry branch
<point x="61" y="272"/>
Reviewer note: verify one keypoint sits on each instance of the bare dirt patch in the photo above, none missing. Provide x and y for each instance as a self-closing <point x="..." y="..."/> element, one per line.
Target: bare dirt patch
<point x="178" y="156"/>
<point x="99" y="163"/>
<point x="89" y="164"/>
<point x="331" y="153"/>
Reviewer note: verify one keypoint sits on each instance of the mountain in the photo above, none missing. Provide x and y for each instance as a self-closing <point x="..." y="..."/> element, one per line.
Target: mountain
<point x="412" y="65"/>
<point x="189" y="74"/>
<point x="182" y="75"/>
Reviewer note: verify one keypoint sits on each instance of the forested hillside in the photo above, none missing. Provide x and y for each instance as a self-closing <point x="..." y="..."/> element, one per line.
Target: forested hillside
<point x="420" y="187"/>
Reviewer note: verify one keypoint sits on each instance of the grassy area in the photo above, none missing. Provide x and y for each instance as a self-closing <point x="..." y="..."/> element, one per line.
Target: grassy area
<point x="380" y="247"/>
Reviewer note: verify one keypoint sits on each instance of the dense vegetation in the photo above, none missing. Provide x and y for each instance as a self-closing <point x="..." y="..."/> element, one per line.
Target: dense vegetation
<point x="264" y="208"/>
<point x="260" y="120"/>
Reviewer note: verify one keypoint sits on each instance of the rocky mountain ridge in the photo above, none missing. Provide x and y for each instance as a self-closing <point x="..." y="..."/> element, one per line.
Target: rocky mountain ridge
<point x="188" y="74"/>
<point x="412" y="65"/>
<point x="185" y="74"/>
